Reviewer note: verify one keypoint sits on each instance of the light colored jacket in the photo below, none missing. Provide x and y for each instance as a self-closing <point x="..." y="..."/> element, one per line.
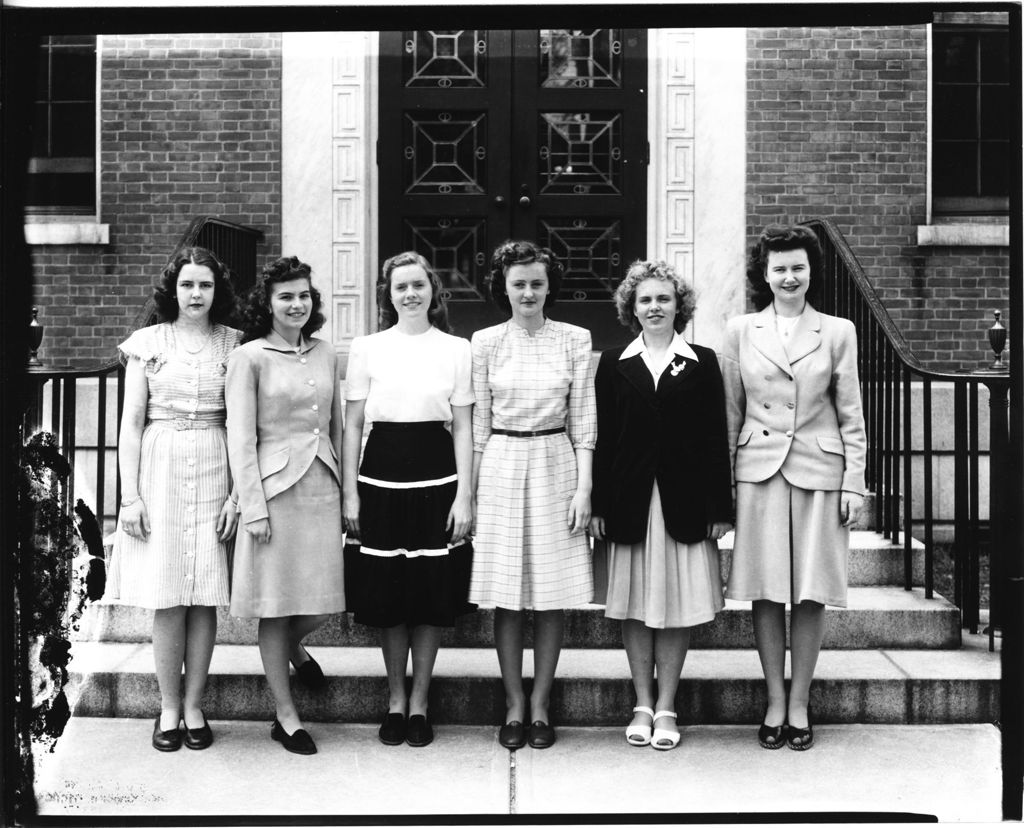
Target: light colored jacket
<point x="283" y="411"/>
<point x="798" y="413"/>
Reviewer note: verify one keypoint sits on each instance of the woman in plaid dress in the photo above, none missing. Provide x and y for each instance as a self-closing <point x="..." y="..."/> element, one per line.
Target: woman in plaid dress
<point x="534" y="429"/>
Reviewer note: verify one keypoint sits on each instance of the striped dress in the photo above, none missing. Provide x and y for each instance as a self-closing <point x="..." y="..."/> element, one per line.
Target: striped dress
<point x="183" y="475"/>
<point x="525" y="557"/>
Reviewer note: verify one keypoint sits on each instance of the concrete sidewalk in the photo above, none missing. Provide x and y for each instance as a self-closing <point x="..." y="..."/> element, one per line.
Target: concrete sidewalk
<point x="106" y="767"/>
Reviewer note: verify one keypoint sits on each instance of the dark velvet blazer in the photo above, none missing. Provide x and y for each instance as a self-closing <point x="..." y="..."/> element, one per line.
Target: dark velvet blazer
<point x="676" y="434"/>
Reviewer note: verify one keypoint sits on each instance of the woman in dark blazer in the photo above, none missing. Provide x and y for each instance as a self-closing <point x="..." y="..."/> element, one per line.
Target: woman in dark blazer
<point x="661" y="493"/>
<point x="796" y="432"/>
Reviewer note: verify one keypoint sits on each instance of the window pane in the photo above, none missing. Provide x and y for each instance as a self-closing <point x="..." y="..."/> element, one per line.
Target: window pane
<point x="995" y="168"/>
<point x="956" y="112"/>
<point x="73" y="129"/>
<point x="74" y="76"/>
<point x="40" y="134"/>
<point x="995" y="57"/>
<point x="75" y="192"/>
<point x="956" y="168"/>
<point x="956" y="58"/>
<point x="995" y="112"/>
<point x="42" y="74"/>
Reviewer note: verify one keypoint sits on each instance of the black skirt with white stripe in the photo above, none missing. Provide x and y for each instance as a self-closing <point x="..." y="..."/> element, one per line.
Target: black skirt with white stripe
<point x="404" y="570"/>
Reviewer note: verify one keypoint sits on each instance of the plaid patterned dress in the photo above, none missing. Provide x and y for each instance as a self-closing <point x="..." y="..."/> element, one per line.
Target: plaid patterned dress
<point x="525" y="557"/>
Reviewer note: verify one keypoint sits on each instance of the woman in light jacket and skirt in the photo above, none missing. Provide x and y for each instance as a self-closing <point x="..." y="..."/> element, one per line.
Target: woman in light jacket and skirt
<point x="284" y="441"/>
<point x="796" y="430"/>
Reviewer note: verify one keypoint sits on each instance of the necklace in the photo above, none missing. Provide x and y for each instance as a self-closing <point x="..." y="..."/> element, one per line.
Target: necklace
<point x="184" y="343"/>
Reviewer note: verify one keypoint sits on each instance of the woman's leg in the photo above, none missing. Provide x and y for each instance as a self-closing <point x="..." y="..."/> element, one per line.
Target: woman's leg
<point x="274" y="645"/>
<point x="770" y="636"/>
<point x="548" y="628"/>
<point x="394" y="644"/>
<point x="807" y="629"/>
<point x="299" y="627"/>
<point x="426" y="639"/>
<point x="169" y="631"/>
<point x="638" y="641"/>
<point x="200" y="636"/>
<point x="670" y="648"/>
<point x="508" y="640"/>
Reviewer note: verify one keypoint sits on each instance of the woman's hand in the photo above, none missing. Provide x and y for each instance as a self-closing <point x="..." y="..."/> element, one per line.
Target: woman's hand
<point x="135" y="520"/>
<point x="460" y="518"/>
<point x="259" y="529"/>
<point x="717" y="530"/>
<point x="578" y="518"/>
<point x="849" y="506"/>
<point x="350" y="516"/>
<point x="227" y="520"/>
<point x="597" y="527"/>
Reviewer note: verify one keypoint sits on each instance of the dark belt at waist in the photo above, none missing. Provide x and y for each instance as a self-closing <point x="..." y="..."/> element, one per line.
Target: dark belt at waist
<point x="542" y="433"/>
<point x="418" y="425"/>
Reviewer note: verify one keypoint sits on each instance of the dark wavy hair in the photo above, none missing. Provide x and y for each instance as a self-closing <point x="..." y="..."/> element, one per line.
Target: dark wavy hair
<point x="774" y="239"/>
<point x="223" y="311"/>
<point x="625" y="294"/>
<point x="258" y="319"/>
<point x="512" y="252"/>
<point x="387" y="314"/>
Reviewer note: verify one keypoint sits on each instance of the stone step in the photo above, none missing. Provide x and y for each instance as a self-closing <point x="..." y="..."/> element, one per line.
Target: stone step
<point x="592" y="687"/>
<point x="876" y="617"/>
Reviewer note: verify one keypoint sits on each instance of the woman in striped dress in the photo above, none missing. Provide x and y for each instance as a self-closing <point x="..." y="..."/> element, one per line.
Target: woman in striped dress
<point x="534" y="431"/>
<point x="410" y="506"/>
<point x="176" y="511"/>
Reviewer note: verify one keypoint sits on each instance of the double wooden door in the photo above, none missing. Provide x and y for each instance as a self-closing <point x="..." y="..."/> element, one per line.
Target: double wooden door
<point x="533" y="134"/>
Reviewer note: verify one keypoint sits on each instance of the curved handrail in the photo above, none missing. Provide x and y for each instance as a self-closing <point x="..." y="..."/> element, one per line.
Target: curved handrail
<point x="885" y="322"/>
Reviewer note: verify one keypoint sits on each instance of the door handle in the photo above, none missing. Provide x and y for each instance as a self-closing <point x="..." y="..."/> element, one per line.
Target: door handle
<point x="499" y="200"/>
<point x="524" y="202"/>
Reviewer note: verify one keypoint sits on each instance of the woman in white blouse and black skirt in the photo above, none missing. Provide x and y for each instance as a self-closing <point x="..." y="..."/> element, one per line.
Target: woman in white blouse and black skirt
<point x="410" y="506"/>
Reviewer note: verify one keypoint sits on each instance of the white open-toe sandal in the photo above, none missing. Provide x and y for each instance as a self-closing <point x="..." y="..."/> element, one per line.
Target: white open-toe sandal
<point x="664" y="739"/>
<point x="640" y="735"/>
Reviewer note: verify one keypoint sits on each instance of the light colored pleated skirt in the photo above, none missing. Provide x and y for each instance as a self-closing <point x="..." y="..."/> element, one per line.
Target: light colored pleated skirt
<point x="790" y="545"/>
<point x="300" y="571"/>
<point x="664" y="583"/>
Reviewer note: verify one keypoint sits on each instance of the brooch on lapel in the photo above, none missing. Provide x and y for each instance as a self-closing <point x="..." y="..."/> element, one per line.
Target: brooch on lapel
<point x="677" y="368"/>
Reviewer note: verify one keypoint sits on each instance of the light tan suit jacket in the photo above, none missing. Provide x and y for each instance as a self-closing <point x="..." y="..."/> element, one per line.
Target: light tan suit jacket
<point x="794" y="408"/>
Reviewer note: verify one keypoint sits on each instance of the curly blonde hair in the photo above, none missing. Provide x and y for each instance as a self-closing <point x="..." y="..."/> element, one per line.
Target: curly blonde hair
<point x="625" y="294"/>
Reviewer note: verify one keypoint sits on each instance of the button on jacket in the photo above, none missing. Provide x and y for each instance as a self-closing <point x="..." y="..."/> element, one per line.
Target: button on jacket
<point x="797" y="411"/>
<point x="283" y="411"/>
<point x="675" y="433"/>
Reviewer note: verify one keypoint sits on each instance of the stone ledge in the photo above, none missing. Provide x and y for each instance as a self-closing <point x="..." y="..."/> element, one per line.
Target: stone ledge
<point x="963" y="235"/>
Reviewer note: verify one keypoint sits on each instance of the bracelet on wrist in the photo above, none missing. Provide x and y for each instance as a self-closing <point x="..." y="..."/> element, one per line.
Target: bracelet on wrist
<point x="130" y="501"/>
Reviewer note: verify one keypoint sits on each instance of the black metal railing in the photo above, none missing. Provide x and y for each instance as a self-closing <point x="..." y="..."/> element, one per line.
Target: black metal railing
<point x="889" y="373"/>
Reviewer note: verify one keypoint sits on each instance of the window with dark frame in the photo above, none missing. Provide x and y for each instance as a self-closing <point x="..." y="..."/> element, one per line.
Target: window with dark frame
<point x="62" y="168"/>
<point x="971" y="105"/>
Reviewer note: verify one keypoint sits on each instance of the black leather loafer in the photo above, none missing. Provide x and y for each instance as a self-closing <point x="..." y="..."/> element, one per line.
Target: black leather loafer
<point x="309" y="673"/>
<point x="298" y="742"/>
<point x="542" y="735"/>
<point x="199" y="738"/>
<point x="512" y="735"/>
<point x="166" y="740"/>
<point x="392" y="729"/>
<point x="418" y="732"/>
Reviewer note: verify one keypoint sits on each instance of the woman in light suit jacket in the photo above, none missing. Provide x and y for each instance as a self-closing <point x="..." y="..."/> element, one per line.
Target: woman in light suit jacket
<point x="796" y="431"/>
<point x="284" y="440"/>
<point x="661" y="490"/>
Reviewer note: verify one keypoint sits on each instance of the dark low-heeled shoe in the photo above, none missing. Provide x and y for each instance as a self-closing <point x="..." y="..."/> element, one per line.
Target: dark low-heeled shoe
<point x="771" y="737"/>
<point x="542" y="735"/>
<point x="298" y="742"/>
<point x="800" y="738"/>
<point x="392" y="729"/>
<point x="512" y="735"/>
<point x="166" y="740"/>
<point x="198" y="738"/>
<point x="309" y="673"/>
<point x="418" y="732"/>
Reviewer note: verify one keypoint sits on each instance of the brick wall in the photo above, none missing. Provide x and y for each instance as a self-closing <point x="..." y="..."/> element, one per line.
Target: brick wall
<point x="191" y="125"/>
<point x="837" y="126"/>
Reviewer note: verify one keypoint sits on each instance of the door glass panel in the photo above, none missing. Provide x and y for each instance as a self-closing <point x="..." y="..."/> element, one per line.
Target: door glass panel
<point x="449" y="58"/>
<point x="580" y="153"/>
<point x="580" y="58"/>
<point x="589" y="248"/>
<point x="444" y="153"/>
<point x="455" y="249"/>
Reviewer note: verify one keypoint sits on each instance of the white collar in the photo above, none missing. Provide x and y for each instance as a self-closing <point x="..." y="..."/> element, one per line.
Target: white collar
<point x="679" y="346"/>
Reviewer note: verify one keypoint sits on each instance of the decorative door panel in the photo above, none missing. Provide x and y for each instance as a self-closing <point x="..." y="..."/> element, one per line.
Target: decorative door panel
<point x="489" y="135"/>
